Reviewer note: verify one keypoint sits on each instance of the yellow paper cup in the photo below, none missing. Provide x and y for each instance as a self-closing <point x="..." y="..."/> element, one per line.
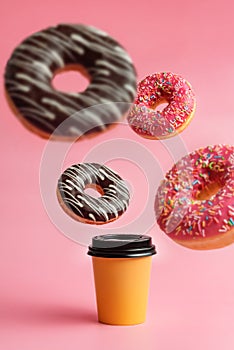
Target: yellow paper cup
<point x="121" y="265"/>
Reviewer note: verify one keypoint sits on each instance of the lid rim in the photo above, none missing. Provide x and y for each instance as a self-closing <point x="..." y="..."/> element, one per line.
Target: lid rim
<point x="146" y="254"/>
<point x="135" y="246"/>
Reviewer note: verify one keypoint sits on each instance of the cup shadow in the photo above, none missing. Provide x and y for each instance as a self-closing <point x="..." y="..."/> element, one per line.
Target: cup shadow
<point x="46" y="314"/>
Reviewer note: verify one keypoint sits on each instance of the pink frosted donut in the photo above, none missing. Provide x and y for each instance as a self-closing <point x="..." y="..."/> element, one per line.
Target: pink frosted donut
<point x="195" y="202"/>
<point x="154" y="90"/>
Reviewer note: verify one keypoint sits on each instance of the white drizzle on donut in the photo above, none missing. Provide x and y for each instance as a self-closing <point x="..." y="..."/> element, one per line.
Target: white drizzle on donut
<point x="33" y="63"/>
<point x="109" y="206"/>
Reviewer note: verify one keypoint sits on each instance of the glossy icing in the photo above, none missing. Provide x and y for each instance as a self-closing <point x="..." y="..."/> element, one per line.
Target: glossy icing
<point x="34" y="62"/>
<point x="112" y="203"/>
<point x="151" y="92"/>
<point x="179" y="211"/>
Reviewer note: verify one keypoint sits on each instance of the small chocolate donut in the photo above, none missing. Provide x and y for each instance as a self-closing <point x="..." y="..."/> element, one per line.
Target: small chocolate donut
<point x="42" y="108"/>
<point x="80" y="206"/>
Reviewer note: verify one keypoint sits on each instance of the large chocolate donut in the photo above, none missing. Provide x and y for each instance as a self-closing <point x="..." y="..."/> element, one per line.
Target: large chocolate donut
<point x="42" y="108"/>
<point x="85" y="208"/>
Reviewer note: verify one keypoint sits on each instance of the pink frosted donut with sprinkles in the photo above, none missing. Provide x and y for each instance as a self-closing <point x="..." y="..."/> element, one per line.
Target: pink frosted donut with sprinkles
<point x="154" y="90"/>
<point x="194" y="204"/>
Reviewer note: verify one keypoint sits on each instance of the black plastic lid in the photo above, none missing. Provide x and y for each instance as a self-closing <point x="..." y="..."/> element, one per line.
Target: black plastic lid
<point x="121" y="246"/>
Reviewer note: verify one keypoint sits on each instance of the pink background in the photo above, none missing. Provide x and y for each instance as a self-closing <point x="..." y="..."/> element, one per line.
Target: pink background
<point x="47" y="296"/>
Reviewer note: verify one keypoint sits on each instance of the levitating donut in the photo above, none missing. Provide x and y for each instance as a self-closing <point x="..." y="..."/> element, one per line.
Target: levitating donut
<point x="42" y="108"/>
<point x="195" y="202"/>
<point x="157" y="89"/>
<point x="80" y="206"/>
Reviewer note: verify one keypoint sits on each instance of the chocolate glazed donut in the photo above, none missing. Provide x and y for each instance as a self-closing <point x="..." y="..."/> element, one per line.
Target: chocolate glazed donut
<point x="42" y="108"/>
<point x="80" y="206"/>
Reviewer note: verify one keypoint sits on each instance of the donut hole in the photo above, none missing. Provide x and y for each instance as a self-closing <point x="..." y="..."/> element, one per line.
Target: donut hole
<point x="93" y="190"/>
<point x="161" y="106"/>
<point x="71" y="79"/>
<point x="209" y="191"/>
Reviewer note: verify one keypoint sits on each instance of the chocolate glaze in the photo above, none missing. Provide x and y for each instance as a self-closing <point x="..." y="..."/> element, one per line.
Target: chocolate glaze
<point x="109" y="206"/>
<point x="34" y="62"/>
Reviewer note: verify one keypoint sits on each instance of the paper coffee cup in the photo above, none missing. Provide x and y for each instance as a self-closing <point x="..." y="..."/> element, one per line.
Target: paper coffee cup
<point x="121" y="265"/>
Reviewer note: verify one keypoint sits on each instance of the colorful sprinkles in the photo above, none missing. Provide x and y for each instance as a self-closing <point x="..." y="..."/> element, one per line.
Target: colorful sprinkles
<point x="154" y="90"/>
<point x="190" y="217"/>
